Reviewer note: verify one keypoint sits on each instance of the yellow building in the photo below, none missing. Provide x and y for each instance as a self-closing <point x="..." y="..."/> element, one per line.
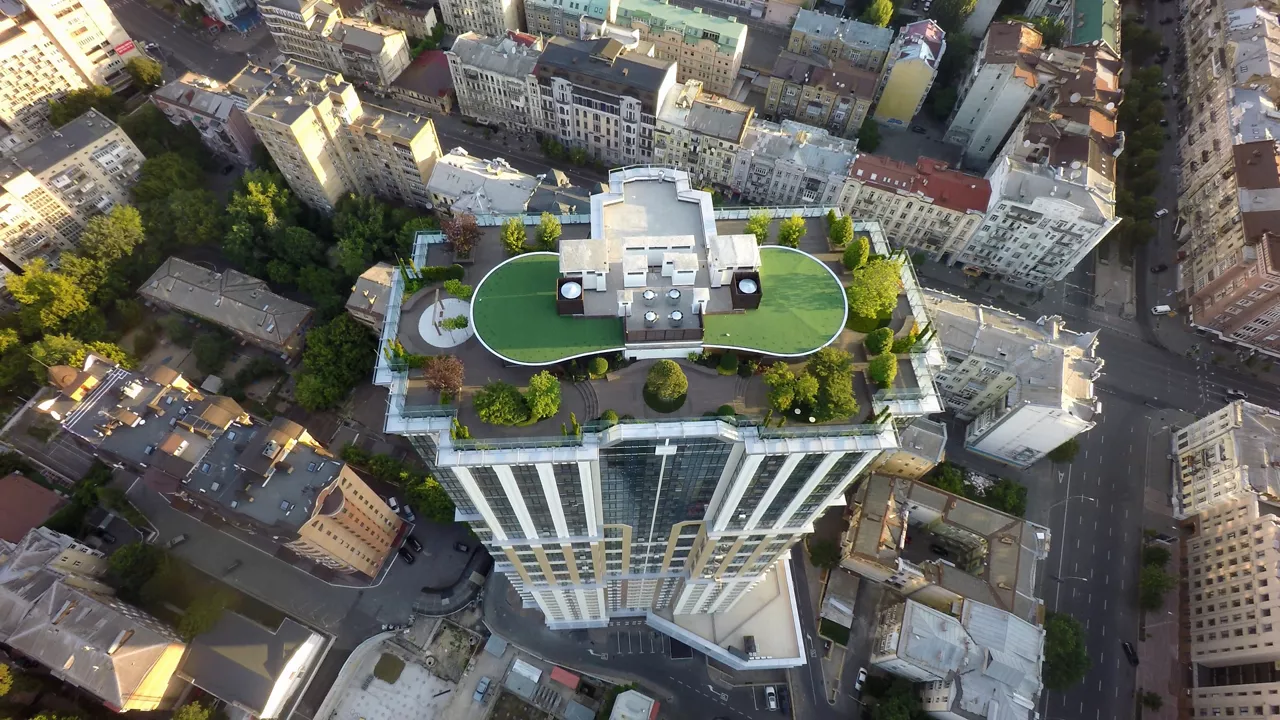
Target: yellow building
<point x="864" y="45"/>
<point x="704" y="47"/>
<point x="815" y="90"/>
<point x="909" y="71"/>
<point x="327" y="143"/>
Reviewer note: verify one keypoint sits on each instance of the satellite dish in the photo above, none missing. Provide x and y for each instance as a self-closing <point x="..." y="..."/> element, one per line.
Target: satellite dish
<point x="1075" y="98"/>
<point x="747" y="286"/>
<point x="571" y="291"/>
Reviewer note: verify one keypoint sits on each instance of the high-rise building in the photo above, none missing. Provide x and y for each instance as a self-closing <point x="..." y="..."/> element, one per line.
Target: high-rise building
<point x="214" y="109"/>
<point x="910" y="67"/>
<point x="1053" y="184"/>
<point x="1024" y="387"/>
<point x="600" y="96"/>
<point x="926" y="206"/>
<point x="52" y="187"/>
<point x="680" y="518"/>
<point x="1222" y="458"/>
<point x="48" y="49"/>
<point x="300" y="26"/>
<point x="792" y="164"/>
<point x="864" y="45"/>
<point x="700" y="133"/>
<point x="816" y="90"/>
<point x="327" y="143"/>
<point x="493" y="78"/>
<point x="996" y="90"/>
<point x="365" y="51"/>
<point x="704" y="47"/>
<point x="486" y="17"/>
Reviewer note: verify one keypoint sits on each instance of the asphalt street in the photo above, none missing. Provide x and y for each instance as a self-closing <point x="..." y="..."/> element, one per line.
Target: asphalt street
<point x="178" y="43"/>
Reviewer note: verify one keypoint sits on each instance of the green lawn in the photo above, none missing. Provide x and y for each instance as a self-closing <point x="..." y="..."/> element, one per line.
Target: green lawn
<point x="802" y="309"/>
<point x="515" y="315"/>
<point x="388" y="668"/>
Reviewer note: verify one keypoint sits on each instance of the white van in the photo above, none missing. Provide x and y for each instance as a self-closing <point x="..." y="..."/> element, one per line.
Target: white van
<point x="1161" y="310"/>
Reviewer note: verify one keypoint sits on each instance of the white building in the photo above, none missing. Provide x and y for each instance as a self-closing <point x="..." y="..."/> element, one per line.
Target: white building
<point x="985" y="663"/>
<point x="493" y="79"/>
<point x="1024" y="387"/>
<point x="1225" y="457"/>
<point x="700" y="133"/>
<point x="464" y="184"/>
<point x="792" y="164"/>
<point x="999" y="86"/>
<point x="486" y="17"/>
<point x="602" y="97"/>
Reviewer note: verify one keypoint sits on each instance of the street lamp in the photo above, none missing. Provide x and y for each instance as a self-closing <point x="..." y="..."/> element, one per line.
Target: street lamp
<point x="1069" y="577"/>
<point x="1070" y="497"/>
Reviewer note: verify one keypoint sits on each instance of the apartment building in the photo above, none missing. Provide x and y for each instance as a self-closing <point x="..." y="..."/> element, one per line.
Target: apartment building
<point x="275" y="481"/>
<point x="565" y="17"/>
<point x="427" y="83"/>
<point x="1230" y="616"/>
<point x="579" y="525"/>
<point x="926" y="207"/>
<point x="954" y="658"/>
<point x="866" y="46"/>
<point x="300" y="26"/>
<point x="493" y="78"/>
<point x="461" y="183"/>
<point x="50" y="188"/>
<point x="239" y="303"/>
<point x="990" y="558"/>
<point x="923" y="446"/>
<point x="816" y="90"/>
<point x="493" y="18"/>
<point x="215" y="110"/>
<point x="704" y="47"/>
<point x="792" y="164"/>
<point x="417" y="19"/>
<point x="1002" y="82"/>
<point x="365" y="51"/>
<point x="48" y="49"/>
<point x="700" y="133"/>
<point x="1053" y="183"/>
<point x="328" y="143"/>
<point x="602" y="97"/>
<point x="368" y="300"/>
<point x="910" y="67"/>
<point x="1224" y="457"/>
<point x="1024" y="387"/>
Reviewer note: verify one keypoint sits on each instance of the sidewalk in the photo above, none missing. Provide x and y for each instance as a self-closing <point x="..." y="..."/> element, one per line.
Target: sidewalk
<point x="1113" y="282"/>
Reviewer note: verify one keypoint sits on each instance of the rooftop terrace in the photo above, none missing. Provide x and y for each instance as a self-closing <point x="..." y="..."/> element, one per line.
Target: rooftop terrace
<point x="654" y="271"/>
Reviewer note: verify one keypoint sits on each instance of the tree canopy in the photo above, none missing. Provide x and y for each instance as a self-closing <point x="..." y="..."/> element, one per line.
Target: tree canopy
<point x="193" y="711"/>
<point x="47" y="298"/>
<point x="146" y="73"/>
<point x="1066" y="656"/>
<point x="875" y="287"/>
<point x="878" y="13"/>
<point x="339" y="355"/>
<point x="78" y="102"/>
<point x="833" y="370"/>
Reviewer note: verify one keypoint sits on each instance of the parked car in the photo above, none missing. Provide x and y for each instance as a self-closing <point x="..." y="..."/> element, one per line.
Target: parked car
<point x="938" y="550"/>
<point x="1161" y="212"/>
<point x="406" y="555"/>
<point x="413" y="543"/>
<point x="1159" y="268"/>
<point x="406" y="512"/>
<point x="770" y="697"/>
<point x="1130" y="653"/>
<point x="482" y="688"/>
<point x="1237" y="395"/>
<point x="395" y="504"/>
<point x="784" y="700"/>
<point x="461" y="547"/>
<point x="918" y="129"/>
<point x="109" y="538"/>
<point x="175" y="542"/>
<point x="862" y="677"/>
<point x="1161" y="310"/>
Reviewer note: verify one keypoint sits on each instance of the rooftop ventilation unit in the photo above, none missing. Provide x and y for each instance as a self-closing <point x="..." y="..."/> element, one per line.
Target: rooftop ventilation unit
<point x="571" y="290"/>
<point x="673" y="296"/>
<point x="650" y="319"/>
<point x="677" y="318"/>
<point x="650" y="297"/>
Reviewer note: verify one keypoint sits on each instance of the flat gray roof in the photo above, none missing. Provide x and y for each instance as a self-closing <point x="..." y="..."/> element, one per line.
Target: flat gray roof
<point x="65" y="141"/>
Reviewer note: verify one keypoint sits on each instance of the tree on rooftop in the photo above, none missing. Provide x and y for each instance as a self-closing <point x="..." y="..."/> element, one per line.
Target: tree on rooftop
<point x="790" y="231"/>
<point x="833" y="370"/>
<point x="666" y="380"/>
<point x="877" y="341"/>
<point x="787" y="390"/>
<point x="758" y="225"/>
<point x="462" y="231"/>
<point x="146" y="73"/>
<point x="500" y="403"/>
<point x="882" y="369"/>
<point x="856" y="252"/>
<point x="445" y="373"/>
<point x="875" y="287"/>
<point x="840" y="232"/>
<point x="878" y="13"/>
<point x="1066" y="657"/>
<point x="514" y="236"/>
<point x="78" y="102"/>
<point x="598" y="366"/>
<point x="543" y="397"/>
<point x="548" y="231"/>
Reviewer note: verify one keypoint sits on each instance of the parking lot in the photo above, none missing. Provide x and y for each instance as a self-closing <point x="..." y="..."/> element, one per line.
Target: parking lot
<point x="636" y="638"/>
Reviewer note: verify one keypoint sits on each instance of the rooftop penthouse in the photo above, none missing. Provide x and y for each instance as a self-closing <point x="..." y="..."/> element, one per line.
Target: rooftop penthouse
<point x="654" y="271"/>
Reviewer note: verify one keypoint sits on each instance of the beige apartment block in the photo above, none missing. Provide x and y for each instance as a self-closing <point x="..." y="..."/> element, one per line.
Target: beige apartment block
<point x="368" y="52"/>
<point x="922" y="445"/>
<point x="327" y="143"/>
<point x="816" y="90"/>
<point x="790" y="163"/>
<point x="214" y="109"/>
<point x="704" y="47"/>
<point x="417" y="21"/>
<point x="50" y="189"/>
<point x="486" y="17"/>
<point x="48" y="49"/>
<point x="700" y="132"/>
<point x="866" y="46"/>
<point x="300" y="26"/>
<point x="1225" y="457"/>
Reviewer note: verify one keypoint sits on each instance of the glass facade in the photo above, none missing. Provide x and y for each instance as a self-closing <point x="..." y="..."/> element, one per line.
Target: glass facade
<point x="765" y="473"/>
<point x="796" y="480"/>
<point x="569" y="484"/>
<point x="492" y="491"/>
<point x="823" y="489"/>
<point x="535" y="499"/>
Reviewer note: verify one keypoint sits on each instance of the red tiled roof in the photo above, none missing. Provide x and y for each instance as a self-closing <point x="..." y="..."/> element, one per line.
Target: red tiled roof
<point x="933" y="179"/>
<point x="428" y="75"/>
<point x="25" y="506"/>
<point x="523" y="38"/>
<point x="565" y="678"/>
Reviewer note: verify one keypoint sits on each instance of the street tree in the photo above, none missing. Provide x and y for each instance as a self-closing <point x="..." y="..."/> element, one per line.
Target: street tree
<point x="162" y="175"/>
<point x="869" y="134"/>
<point x="78" y="102"/>
<point x="202" y="614"/>
<point x="1066" y="452"/>
<point x="951" y="14"/>
<point x="47" y="298"/>
<point x="146" y="73"/>
<point x="878" y="13"/>
<point x="1153" y="583"/>
<point x="131" y="566"/>
<point x="1066" y="656"/>
<point x="339" y="355"/>
<point x="823" y="553"/>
